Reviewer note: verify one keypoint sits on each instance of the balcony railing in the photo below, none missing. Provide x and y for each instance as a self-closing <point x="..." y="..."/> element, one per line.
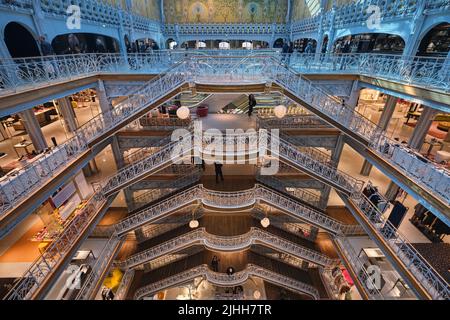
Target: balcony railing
<point x="21" y="74"/>
<point x="201" y="237"/>
<point x="430" y="279"/>
<point x="30" y="178"/>
<point x="300" y="193"/>
<point x="225" y="280"/>
<point x="233" y="200"/>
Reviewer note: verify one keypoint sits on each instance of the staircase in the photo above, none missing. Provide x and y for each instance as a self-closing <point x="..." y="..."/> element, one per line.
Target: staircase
<point x="226" y="244"/>
<point x="258" y="266"/>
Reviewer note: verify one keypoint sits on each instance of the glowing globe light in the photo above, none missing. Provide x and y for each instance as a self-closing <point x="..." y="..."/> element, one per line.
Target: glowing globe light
<point x="193" y="224"/>
<point x="280" y="111"/>
<point x="265" y="222"/>
<point x="183" y="113"/>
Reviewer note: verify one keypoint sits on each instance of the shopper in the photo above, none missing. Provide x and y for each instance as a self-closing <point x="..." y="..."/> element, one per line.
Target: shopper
<point x="73" y="44"/>
<point x="309" y="48"/>
<point x="215" y="264"/>
<point x="218" y="169"/>
<point x="46" y="47"/>
<point x="99" y="46"/>
<point x="230" y="271"/>
<point x="251" y="104"/>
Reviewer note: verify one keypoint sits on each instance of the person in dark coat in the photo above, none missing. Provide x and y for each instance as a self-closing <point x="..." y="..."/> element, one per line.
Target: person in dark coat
<point x="251" y="104"/>
<point x="218" y="169"/>
<point x="46" y="47"/>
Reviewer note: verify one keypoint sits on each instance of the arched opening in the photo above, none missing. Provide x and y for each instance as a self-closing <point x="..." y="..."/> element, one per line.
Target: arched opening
<point x="369" y="42"/>
<point x="146" y="45"/>
<point x="75" y="43"/>
<point x="436" y="42"/>
<point x="224" y="45"/>
<point x="278" y="43"/>
<point x="171" y="44"/>
<point x="305" y="45"/>
<point x="20" y="42"/>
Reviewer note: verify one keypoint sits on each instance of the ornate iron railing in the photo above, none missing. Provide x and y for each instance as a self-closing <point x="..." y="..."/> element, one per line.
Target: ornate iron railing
<point x="292" y="122"/>
<point x="125" y="284"/>
<point x="300" y="193"/>
<point x="164" y="124"/>
<point x="405" y="159"/>
<point x="425" y="274"/>
<point x="297" y="229"/>
<point x="57" y="251"/>
<point x="190" y="177"/>
<point x="230" y="29"/>
<point x="225" y="280"/>
<point x="234" y="200"/>
<point x="158" y="211"/>
<point x="429" y="72"/>
<point x="201" y="237"/>
<point x="316" y="165"/>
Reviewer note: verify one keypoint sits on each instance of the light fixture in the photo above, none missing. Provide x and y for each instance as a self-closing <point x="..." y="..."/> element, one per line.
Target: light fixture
<point x="257" y="294"/>
<point x="280" y="111"/>
<point x="265" y="222"/>
<point x="183" y="113"/>
<point x="193" y="224"/>
<point x="201" y="44"/>
<point x="247" y="45"/>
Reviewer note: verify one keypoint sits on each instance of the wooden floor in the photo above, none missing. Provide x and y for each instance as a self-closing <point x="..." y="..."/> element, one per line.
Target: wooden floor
<point x="230" y="183"/>
<point x="325" y="245"/>
<point x="274" y="292"/>
<point x="341" y="214"/>
<point x="128" y="249"/>
<point x="227" y="224"/>
<point x="24" y="250"/>
<point x="112" y="216"/>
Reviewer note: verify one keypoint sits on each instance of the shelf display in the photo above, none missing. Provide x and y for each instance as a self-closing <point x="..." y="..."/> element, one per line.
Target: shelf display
<point x="56" y="219"/>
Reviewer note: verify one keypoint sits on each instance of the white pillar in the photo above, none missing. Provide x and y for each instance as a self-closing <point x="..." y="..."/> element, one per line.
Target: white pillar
<point x="103" y="101"/>
<point x="422" y="128"/>
<point x="67" y="112"/>
<point x="383" y="123"/>
<point x="120" y="163"/>
<point x="335" y="157"/>
<point x="352" y="101"/>
<point x="33" y="129"/>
